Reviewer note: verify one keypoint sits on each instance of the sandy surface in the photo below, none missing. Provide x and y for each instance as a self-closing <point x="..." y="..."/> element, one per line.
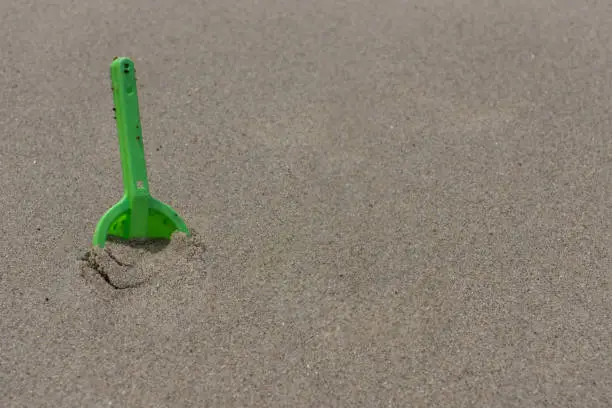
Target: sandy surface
<point x="396" y="203"/>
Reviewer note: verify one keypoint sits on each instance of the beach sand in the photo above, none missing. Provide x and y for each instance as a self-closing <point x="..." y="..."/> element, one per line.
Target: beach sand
<point x="394" y="204"/>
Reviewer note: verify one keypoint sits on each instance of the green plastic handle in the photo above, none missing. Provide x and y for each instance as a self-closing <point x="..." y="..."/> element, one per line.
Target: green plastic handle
<point x="131" y="146"/>
<point x="129" y="130"/>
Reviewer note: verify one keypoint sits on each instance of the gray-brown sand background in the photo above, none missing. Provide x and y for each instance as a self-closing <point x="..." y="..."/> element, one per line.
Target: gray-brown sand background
<point x="397" y="203"/>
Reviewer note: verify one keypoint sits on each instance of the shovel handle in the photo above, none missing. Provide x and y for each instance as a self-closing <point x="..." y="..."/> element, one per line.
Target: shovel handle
<point x="129" y="130"/>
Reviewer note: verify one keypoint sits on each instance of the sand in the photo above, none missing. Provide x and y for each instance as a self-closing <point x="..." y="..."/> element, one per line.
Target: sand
<point x="394" y="203"/>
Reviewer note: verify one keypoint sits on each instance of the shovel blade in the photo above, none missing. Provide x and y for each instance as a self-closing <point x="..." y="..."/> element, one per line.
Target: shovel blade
<point x="161" y="222"/>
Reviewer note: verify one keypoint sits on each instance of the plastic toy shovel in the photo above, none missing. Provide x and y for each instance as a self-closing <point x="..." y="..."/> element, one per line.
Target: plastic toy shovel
<point x="137" y="215"/>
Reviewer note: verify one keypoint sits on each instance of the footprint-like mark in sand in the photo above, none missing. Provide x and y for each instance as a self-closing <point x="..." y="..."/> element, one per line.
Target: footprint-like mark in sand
<point x="130" y="264"/>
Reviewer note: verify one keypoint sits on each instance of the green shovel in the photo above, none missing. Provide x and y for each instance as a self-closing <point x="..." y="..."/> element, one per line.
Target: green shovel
<point x="137" y="215"/>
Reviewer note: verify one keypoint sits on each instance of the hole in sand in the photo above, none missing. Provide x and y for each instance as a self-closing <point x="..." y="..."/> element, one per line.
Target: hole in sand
<point x="127" y="264"/>
<point x="149" y="245"/>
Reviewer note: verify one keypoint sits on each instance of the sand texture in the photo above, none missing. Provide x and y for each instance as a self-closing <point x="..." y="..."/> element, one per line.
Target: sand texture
<point x="395" y="203"/>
